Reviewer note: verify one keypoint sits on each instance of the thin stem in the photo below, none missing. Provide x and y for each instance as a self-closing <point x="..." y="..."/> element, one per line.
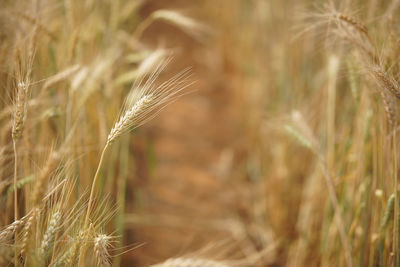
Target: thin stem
<point x="15" y="200"/>
<point x="15" y="181"/>
<point x="396" y="205"/>
<point x="338" y="215"/>
<point x="142" y="27"/>
<point x="90" y="204"/>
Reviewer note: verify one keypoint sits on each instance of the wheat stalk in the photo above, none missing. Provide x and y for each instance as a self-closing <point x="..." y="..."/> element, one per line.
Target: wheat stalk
<point x="17" y="128"/>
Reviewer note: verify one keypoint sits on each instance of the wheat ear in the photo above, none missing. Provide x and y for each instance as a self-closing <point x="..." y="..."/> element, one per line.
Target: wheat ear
<point x="28" y="228"/>
<point x="49" y="235"/>
<point x="7" y="232"/>
<point x="102" y="244"/>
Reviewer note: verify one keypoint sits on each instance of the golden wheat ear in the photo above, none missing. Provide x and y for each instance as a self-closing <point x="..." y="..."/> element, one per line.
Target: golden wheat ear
<point x="146" y="100"/>
<point x="20" y="108"/>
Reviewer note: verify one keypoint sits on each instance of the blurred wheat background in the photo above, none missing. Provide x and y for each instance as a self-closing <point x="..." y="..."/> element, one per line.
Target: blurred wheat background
<point x="199" y="133"/>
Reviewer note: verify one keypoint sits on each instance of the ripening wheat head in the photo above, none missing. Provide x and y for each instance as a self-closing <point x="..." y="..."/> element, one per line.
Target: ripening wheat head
<point x="20" y="110"/>
<point x="147" y="99"/>
<point x="102" y="244"/>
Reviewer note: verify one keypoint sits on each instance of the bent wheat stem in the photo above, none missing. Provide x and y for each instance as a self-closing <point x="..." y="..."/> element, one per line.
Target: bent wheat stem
<point x="143" y="104"/>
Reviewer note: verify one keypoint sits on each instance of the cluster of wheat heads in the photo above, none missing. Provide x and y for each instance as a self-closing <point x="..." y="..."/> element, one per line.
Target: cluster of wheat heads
<point x="321" y="166"/>
<point x="68" y="66"/>
<point x="367" y="222"/>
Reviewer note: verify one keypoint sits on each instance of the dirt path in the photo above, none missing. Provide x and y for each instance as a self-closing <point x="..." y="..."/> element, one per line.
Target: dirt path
<point x="184" y="201"/>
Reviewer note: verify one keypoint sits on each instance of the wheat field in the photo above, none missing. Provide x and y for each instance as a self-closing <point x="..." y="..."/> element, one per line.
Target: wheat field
<point x="201" y="133"/>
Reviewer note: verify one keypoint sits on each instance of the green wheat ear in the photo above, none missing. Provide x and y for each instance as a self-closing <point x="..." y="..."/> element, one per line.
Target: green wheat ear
<point x="388" y="213"/>
<point x="299" y="137"/>
<point x="387" y="217"/>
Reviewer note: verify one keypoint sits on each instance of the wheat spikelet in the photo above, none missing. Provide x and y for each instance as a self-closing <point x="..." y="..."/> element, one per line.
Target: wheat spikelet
<point x="145" y="101"/>
<point x="387" y="216"/>
<point x="102" y="244"/>
<point x="10" y="229"/>
<point x="389" y="88"/>
<point x="27" y="230"/>
<point x="6" y="233"/>
<point x="390" y="107"/>
<point x="20" y="109"/>
<point x="49" y="235"/>
<point x="128" y="119"/>
<point x="347" y="28"/>
<point x="352" y="21"/>
<point x="190" y="262"/>
<point x="386" y="83"/>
